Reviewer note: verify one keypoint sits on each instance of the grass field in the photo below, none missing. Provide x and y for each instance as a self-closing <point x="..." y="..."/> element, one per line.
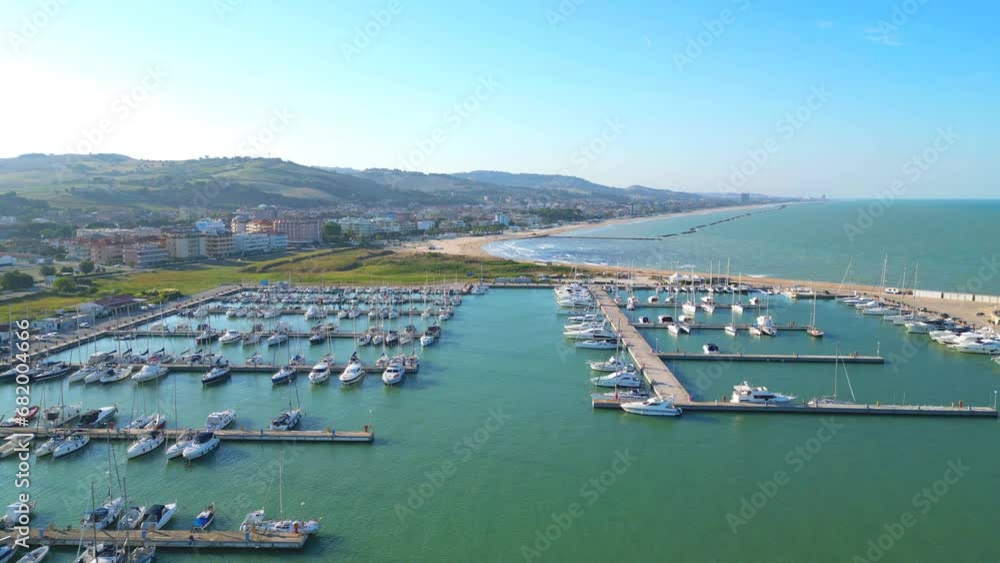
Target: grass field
<point x="341" y="266"/>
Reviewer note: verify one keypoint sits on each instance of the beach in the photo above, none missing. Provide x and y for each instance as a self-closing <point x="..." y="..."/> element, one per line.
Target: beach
<point x="973" y="313"/>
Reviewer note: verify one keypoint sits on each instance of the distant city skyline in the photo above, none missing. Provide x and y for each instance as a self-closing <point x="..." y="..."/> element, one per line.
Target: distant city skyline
<point x="851" y="100"/>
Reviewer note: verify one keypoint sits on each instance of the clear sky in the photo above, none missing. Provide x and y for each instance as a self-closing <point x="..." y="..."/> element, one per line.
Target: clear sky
<point x="660" y="93"/>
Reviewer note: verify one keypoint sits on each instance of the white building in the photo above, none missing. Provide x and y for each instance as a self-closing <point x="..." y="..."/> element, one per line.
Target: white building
<point x="210" y="226"/>
<point x="258" y="243"/>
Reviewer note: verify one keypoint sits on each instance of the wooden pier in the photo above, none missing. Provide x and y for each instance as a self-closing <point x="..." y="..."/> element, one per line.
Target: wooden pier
<point x="234" y="435"/>
<point x="791" y="358"/>
<point x="721" y="326"/>
<point x="664" y="383"/>
<point x="167" y="539"/>
<point x="843" y="409"/>
<point x="259" y="369"/>
<point x="234" y="344"/>
<point x="657" y="374"/>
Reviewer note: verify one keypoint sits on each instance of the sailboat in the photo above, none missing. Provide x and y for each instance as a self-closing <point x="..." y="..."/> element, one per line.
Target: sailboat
<point x="737" y="306"/>
<point x="290" y="418"/>
<point x="185" y="438"/>
<point x="730" y="328"/>
<point x="833" y="400"/>
<point x="813" y="330"/>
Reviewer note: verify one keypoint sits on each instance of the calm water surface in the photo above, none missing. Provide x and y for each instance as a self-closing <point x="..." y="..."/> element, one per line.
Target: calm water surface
<point x="954" y="243"/>
<point x="502" y="404"/>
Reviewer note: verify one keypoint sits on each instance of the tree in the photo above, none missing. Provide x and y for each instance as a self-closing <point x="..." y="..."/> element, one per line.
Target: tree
<point x="64" y="285"/>
<point x="16" y="280"/>
<point x="66" y="269"/>
<point x="47" y="271"/>
<point x="86" y="266"/>
<point x="332" y="232"/>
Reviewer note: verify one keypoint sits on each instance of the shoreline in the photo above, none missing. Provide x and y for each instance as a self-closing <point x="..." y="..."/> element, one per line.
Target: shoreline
<point x="472" y="247"/>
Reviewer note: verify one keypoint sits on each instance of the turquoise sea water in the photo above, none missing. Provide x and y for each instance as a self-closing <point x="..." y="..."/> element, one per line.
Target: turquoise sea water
<point x="498" y="434"/>
<point x="954" y="242"/>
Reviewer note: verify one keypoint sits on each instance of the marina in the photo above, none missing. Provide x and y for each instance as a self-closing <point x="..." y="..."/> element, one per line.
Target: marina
<point x="663" y="382"/>
<point x="443" y="371"/>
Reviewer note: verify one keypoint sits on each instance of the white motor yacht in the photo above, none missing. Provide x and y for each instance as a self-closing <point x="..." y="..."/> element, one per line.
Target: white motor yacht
<point x="393" y="374"/>
<point x="321" y="371"/>
<point x="653" y="406"/>
<point x="220" y="419"/>
<point x="150" y="371"/>
<point x="746" y="393"/>
<point x="621" y="378"/>
<point x="353" y="373"/>
<point x="230" y="337"/>
<point x="203" y="444"/>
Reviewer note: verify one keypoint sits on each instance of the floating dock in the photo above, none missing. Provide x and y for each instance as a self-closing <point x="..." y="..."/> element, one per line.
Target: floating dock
<point x="167" y="539"/>
<point x="198" y="369"/>
<point x="659" y="377"/>
<point x="663" y="382"/>
<point x="234" y="435"/>
<point x="721" y="326"/>
<point x="791" y="358"/>
<point x="196" y="333"/>
<point x="876" y="409"/>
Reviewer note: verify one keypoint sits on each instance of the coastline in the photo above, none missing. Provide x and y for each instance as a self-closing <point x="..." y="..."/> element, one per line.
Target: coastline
<point x="472" y="247"/>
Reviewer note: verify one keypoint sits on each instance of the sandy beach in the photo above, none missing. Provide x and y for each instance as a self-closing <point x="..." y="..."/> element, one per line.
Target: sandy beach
<point x="970" y="312"/>
<point x="473" y="245"/>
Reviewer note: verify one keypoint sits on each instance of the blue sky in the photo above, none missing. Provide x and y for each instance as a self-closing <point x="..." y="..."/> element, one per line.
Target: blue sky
<point x="665" y="94"/>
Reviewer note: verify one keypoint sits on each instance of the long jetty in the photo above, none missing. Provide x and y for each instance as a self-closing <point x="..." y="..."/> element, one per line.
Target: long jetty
<point x="790" y="358"/>
<point x="657" y="374"/>
<point x="168" y="539"/>
<point x="663" y="382"/>
<point x="234" y="435"/>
